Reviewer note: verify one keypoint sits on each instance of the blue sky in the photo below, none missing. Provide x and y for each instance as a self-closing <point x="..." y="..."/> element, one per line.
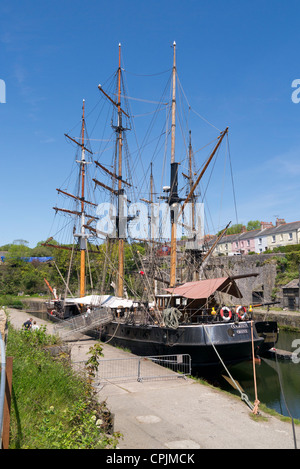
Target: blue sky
<point x="236" y="62"/>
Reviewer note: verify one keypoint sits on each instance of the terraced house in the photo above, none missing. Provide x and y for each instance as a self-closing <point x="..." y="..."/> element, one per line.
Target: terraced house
<point x="258" y="241"/>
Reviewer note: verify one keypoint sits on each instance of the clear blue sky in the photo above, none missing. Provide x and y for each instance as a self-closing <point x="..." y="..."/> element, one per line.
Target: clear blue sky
<point x="236" y="62"/>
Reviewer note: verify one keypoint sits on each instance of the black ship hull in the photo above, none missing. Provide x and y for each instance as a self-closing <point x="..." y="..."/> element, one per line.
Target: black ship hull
<point x="232" y="341"/>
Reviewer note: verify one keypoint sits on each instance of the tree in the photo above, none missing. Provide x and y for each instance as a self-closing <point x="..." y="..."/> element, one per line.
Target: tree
<point x="253" y="225"/>
<point x="235" y="229"/>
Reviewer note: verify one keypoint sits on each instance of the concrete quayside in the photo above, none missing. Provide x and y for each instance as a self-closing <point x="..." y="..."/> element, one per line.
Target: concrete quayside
<point x="173" y="413"/>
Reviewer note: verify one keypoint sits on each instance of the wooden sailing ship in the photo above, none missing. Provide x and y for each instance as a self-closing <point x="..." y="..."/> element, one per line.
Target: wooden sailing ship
<point x="183" y="319"/>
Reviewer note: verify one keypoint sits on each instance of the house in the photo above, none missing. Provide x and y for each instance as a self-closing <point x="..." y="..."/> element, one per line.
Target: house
<point x="284" y="235"/>
<point x="225" y="245"/>
<point x="245" y="242"/>
<point x="260" y="240"/>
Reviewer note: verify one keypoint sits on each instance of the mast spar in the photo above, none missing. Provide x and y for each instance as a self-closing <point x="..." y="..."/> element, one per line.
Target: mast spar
<point x="173" y="199"/>
<point x="121" y="219"/>
<point x="120" y="281"/>
<point x="82" y="235"/>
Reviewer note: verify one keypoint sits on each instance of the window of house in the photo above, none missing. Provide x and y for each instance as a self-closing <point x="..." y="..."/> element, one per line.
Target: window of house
<point x="290" y="235"/>
<point x="248" y="242"/>
<point x="236" y="244"/>
<point x="273" y="239"/>
<point x="226" y="246"/>
<point x="259" y="240"/>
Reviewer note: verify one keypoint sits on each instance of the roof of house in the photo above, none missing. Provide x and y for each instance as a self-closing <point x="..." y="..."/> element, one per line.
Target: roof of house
<point x="292" y="284"/>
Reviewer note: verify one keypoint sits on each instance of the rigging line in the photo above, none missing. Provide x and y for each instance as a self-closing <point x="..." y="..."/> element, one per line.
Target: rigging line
<point x="202" y="148"/>
<point x="138" y="157"/>
<point x="205" y="120"/>
<point x="181" y="87"/>
<point x="181" y="105"/>
<point x="210" y="176"/>
<point x="115" y="270"/>
<point x="69" y="272"/>
<point x="223" y="186"/>
<point x="244" y="397"/>
<point x="151" y="125"/>
<point x="165" y="151"/>
<point x="147" y="75"/>
<point x="93" y="139"/>
<point x="191" y="109"/>
<point x="143" y="100"/>
<point x="234" y="198"/>
<point x="147" y="113"/>
<point x="90" y="272"/>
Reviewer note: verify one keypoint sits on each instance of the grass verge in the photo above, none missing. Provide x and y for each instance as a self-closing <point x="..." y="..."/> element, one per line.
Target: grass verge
<point x="52" y="406"/>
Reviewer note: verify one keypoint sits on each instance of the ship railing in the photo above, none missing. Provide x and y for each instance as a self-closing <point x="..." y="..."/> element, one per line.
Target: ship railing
<point x="83" y="322"/>
<point x="200" y="317"/>
<point x="139" y="368"/>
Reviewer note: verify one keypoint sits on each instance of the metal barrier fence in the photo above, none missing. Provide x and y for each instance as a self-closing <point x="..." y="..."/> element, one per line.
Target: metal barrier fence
<point x="83" y="322"/>
<point x="140" y="368"/>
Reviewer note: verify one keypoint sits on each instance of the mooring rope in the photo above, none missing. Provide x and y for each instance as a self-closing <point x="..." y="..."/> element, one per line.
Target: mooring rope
<point x="244" y="396"/>
<point x="256" y="402"/>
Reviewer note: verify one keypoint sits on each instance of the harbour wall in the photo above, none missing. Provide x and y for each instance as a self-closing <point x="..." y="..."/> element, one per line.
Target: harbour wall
<point x="288" y="319"/>
<point x="264" y="265"/>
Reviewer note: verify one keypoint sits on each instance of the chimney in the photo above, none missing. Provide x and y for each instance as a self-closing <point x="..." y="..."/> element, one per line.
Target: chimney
<point x="244" y="229"/>
<point x="280" y="221"/>
<point x="266" y="224"/>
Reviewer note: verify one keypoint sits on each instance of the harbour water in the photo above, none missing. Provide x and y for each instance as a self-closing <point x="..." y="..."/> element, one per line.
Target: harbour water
<point x="278" y="381"/>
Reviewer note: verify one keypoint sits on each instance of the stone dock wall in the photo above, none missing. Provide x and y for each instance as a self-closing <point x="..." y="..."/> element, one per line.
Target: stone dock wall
<point x="262" y="264"/>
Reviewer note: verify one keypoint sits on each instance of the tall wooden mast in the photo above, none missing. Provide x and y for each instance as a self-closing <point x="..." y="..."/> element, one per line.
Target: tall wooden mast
<point x="120" y="192"/>
<point x="82" y="235"/>
<point x="120" y="279"/>
<point x="174" y="173"/>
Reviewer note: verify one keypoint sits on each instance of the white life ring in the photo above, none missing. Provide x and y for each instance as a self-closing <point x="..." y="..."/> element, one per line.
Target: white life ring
<point x="244" y="315"/>
<point x="226" y="309"/>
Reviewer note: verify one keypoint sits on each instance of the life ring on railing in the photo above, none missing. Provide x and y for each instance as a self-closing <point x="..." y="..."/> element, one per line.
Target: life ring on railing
<point x="244" y="315"/>
<point x="223" y="310"/>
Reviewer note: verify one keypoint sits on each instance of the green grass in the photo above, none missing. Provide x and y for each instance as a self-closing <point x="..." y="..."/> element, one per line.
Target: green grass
<point x="52" y="407"/>
<point x="10" y="300"/>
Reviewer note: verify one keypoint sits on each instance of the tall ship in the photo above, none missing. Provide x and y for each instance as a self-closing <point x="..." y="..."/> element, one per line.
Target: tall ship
<point x="162" y="313"/>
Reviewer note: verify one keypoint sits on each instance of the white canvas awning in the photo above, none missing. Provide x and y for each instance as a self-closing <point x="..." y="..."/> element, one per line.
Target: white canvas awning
<point x="101" y="300"/>
<point x="91" y="300"/>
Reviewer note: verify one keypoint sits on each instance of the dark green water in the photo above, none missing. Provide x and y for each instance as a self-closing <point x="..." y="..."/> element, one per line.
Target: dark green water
<point x="269" y="389"/>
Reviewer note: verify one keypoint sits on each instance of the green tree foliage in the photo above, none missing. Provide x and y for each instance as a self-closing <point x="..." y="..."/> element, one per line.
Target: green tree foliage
<point x="253" y="225"/>
<point x="17" y="275"/>
<point x="235" y="229"/>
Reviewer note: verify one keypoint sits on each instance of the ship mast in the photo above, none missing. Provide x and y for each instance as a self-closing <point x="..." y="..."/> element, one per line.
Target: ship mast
<point x="119" y="129"/>
<point x="82" y="235"/>
<point x="120" y="279"/>
<point x="174" y="176"/>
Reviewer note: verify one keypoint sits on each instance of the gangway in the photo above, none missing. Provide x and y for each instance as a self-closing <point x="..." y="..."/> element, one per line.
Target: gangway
<point x="83" y="322"/>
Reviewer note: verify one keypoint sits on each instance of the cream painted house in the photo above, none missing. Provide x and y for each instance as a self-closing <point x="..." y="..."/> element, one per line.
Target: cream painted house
<point x="283" y="235"/>
<point x="268" y="237"/>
